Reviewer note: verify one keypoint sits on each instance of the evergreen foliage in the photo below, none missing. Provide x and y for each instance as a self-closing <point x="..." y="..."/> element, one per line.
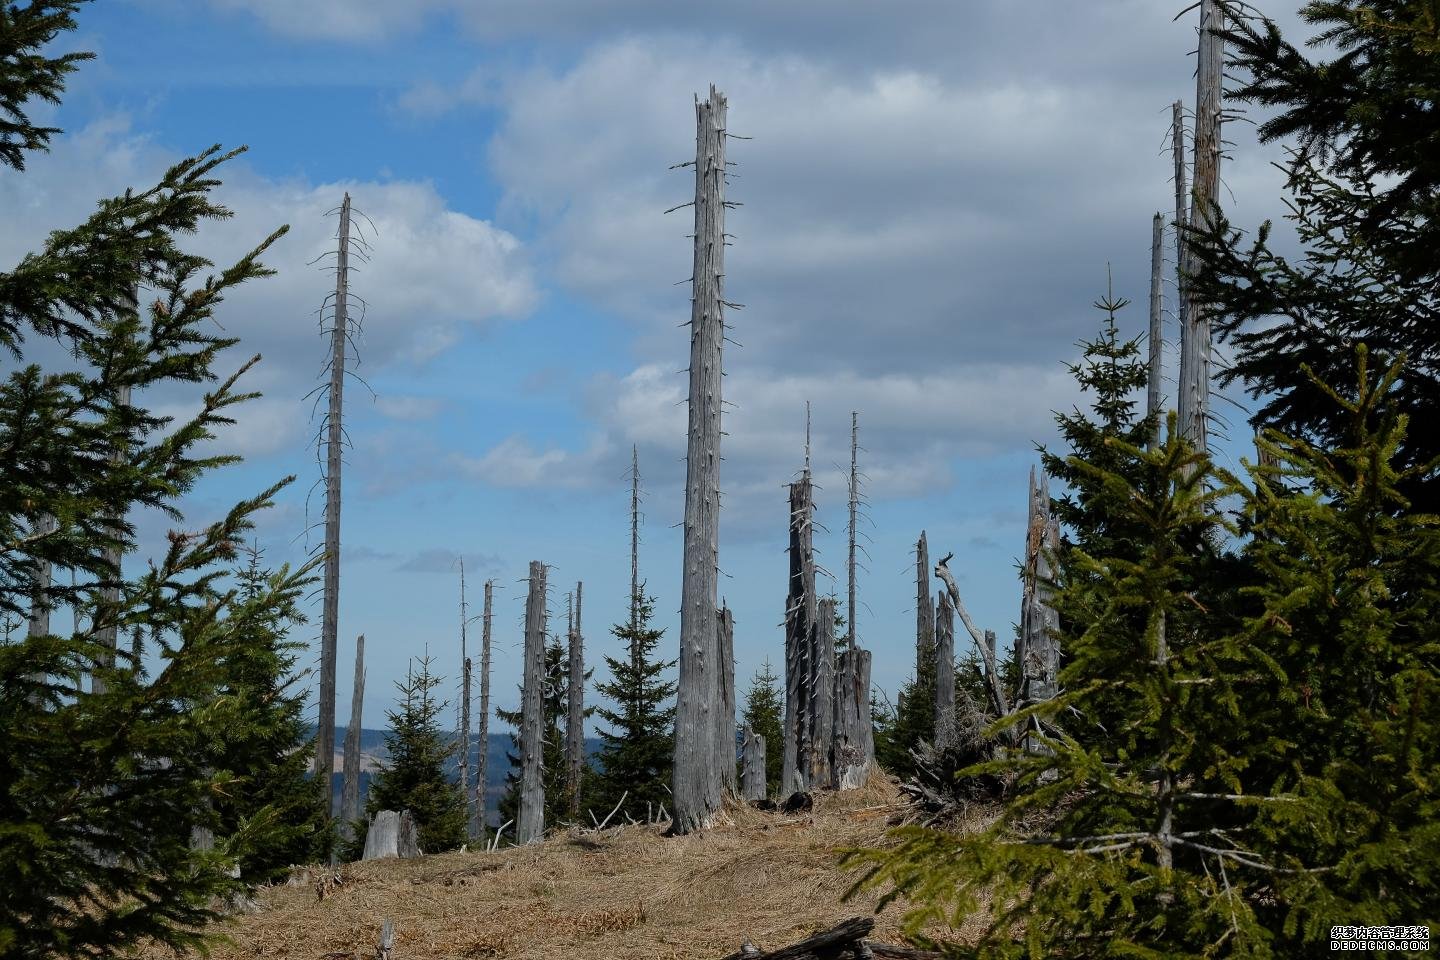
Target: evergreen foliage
<point x="264" y="743"/>
<point x="555" y="712"/>
<point x="413" y="778"/>
<point x="102" y="787"/>
<point x="638" y="750"/>
<point x="764" y="713"/>
<point x="1363" y="191"/>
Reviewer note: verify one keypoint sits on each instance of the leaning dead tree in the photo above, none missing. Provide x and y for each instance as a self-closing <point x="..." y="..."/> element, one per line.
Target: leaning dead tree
<point x="532" y="748"/>
<point x="697" y="782"/>
<point x="350" y="780"/>
<point x="477" y="824"/>
<point x="1195" y="340"/>
<point x="575" y="721"/>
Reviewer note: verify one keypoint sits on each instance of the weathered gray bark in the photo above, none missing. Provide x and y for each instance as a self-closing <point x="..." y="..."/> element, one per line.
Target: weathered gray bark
<point x="725" y="716"/>
<point x="635" y="598"/>
<point x="108" y="635"/>
<point x="478" y="824"/>
<point x="575" y="721"/>
<point x="1204" y="204"/>
<point x="697" y="782"/>
<point x="944" y="670"/>
<point x="1040" y="623"/>
<point x="752" y="770"/>
<point x="350" y="787"/>
<point x="822" y="691"/>
<point x="924" y="613"/>
<point x="1157" y="330"/>
<point x="850" y="613"/>
<point x="1182" y="193"/>
<point x="984" y="642"/>
<point x="854" y="750"/>
<point x="391" y="834"/>
<point x="334" y="423"/>
<point x="799" y="628"/>
<point x="465" y="744"/>
<point x="532" y="787"/>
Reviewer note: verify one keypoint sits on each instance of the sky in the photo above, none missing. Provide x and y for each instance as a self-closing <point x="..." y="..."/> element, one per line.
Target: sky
<point x="932" y="198"/>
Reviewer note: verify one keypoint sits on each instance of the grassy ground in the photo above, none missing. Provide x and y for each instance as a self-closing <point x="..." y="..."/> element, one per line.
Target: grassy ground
<point x="625" y="893"/>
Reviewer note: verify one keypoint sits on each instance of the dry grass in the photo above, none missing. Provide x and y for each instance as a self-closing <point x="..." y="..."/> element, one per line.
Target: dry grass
<point x="626" y="893"/>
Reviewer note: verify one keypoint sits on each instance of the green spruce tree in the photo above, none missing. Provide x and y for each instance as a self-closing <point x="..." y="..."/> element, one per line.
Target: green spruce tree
<point x="764" y="713"/>
<point x="105" y="781"/>
<point x="413" y="777"/>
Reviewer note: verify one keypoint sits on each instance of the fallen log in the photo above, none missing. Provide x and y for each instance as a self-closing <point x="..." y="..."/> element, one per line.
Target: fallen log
<point x="890" y="951"/>
<point x="843" y="940"/>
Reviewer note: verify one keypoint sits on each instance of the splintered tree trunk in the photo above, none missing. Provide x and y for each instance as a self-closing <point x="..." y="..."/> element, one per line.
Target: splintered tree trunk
<point x="725" y="716"/>
<point x="481" y="769"/>
<point x="822" y="689"/>
<point x="1040" y="623"/>
<point x="575" y="723"/>
<point x="924" y="613"/>
<point x="1157" y="330"/>
<point x="350" y="789"/>
<point x="799" y="628"/>
<point x="109" y="608"/>
<point x="854" y="738"/>
<point x="697" y="783"/>
<point x="1204" y="202"/>
<point x="532" y="787"/>
<point x="330" y="617"/>
<point x="752" y="770"/>
<point x="944" y="670"/>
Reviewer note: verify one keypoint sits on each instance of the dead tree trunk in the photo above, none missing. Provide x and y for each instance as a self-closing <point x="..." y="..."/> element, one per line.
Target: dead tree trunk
<point x="752" y="770"/>
<point x="1204" y="203"/>
<point x="944" y="670"/>
<point x="1040" y="624"/>
<point x="108" y="609"/>
<point x="696" y="780"/>
<point x="464" y="698"/>
<point x="391" y="834"/>
<point x="532" y="748"/>
<point x="924" y="614"/>
<point x="1157" y="330"/>
<point x="725" y="716"/>
<point x="635" y="598"/>
<point x="822" y="690"/>
<point x="481" y="770"/>
<point x="1182" y="192"/>
<point x="350" y="789"/>
<point x="854" y="504"/>
<point x="330" y="616"/>
<point x="799" y="628"/>
<point x="575" y="722"/>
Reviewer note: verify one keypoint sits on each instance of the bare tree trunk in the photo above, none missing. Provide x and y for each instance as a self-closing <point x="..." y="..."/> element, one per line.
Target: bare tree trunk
<point x="924" y="613"/>
<point x="799" y="629"/>
<point x="696" y="780"/>
<point x="1040" y="623"/>
<point x="109" y="607"/>
<point x="350" y="789"/>
<point x="944" y="670"/>
<point x="752" y="772"/>
<point x="822" y="690"/>
<point x="1182" y="193"/>
<point x="635" y="598"/>
<point x="532" y="747"/>
<point x="481" y="770"/>
<point x="854" y="504"/>
<point x="854" y="751"/>
<point x="1204" y="203"/>
<point x="575" y="723"/>
<point x="464" y="699"/>
<point x="725" y="716"/>
<point x="330" y="617"/>
<point x="1157" y="330"/>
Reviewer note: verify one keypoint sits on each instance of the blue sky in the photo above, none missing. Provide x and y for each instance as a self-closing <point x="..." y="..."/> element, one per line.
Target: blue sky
<point x="932" y="197"/>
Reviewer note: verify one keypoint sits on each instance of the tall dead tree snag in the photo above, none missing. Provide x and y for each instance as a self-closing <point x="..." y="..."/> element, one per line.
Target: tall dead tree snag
<point x="821" y="684"/>
<point x="575" y="721"/>
<point x="464" y="738"/>
<point x="800" y="616"/>
<point x="532" y="748"/>
<point x="1205" y="197"/>
<point x="697" y="781"/>
<point x="944" y="670"/>
<point x="924" y="613"/>
<point x="334" y="430"/>
<point x="1039" y="621"/>
<point x="725" y="715"/>
<point x="853" y="744"/>
<point x="481" y="770"/>
<point x="635" y="598"/>
<point x="350" y="781"/>
<point x="1157" y="329"/>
